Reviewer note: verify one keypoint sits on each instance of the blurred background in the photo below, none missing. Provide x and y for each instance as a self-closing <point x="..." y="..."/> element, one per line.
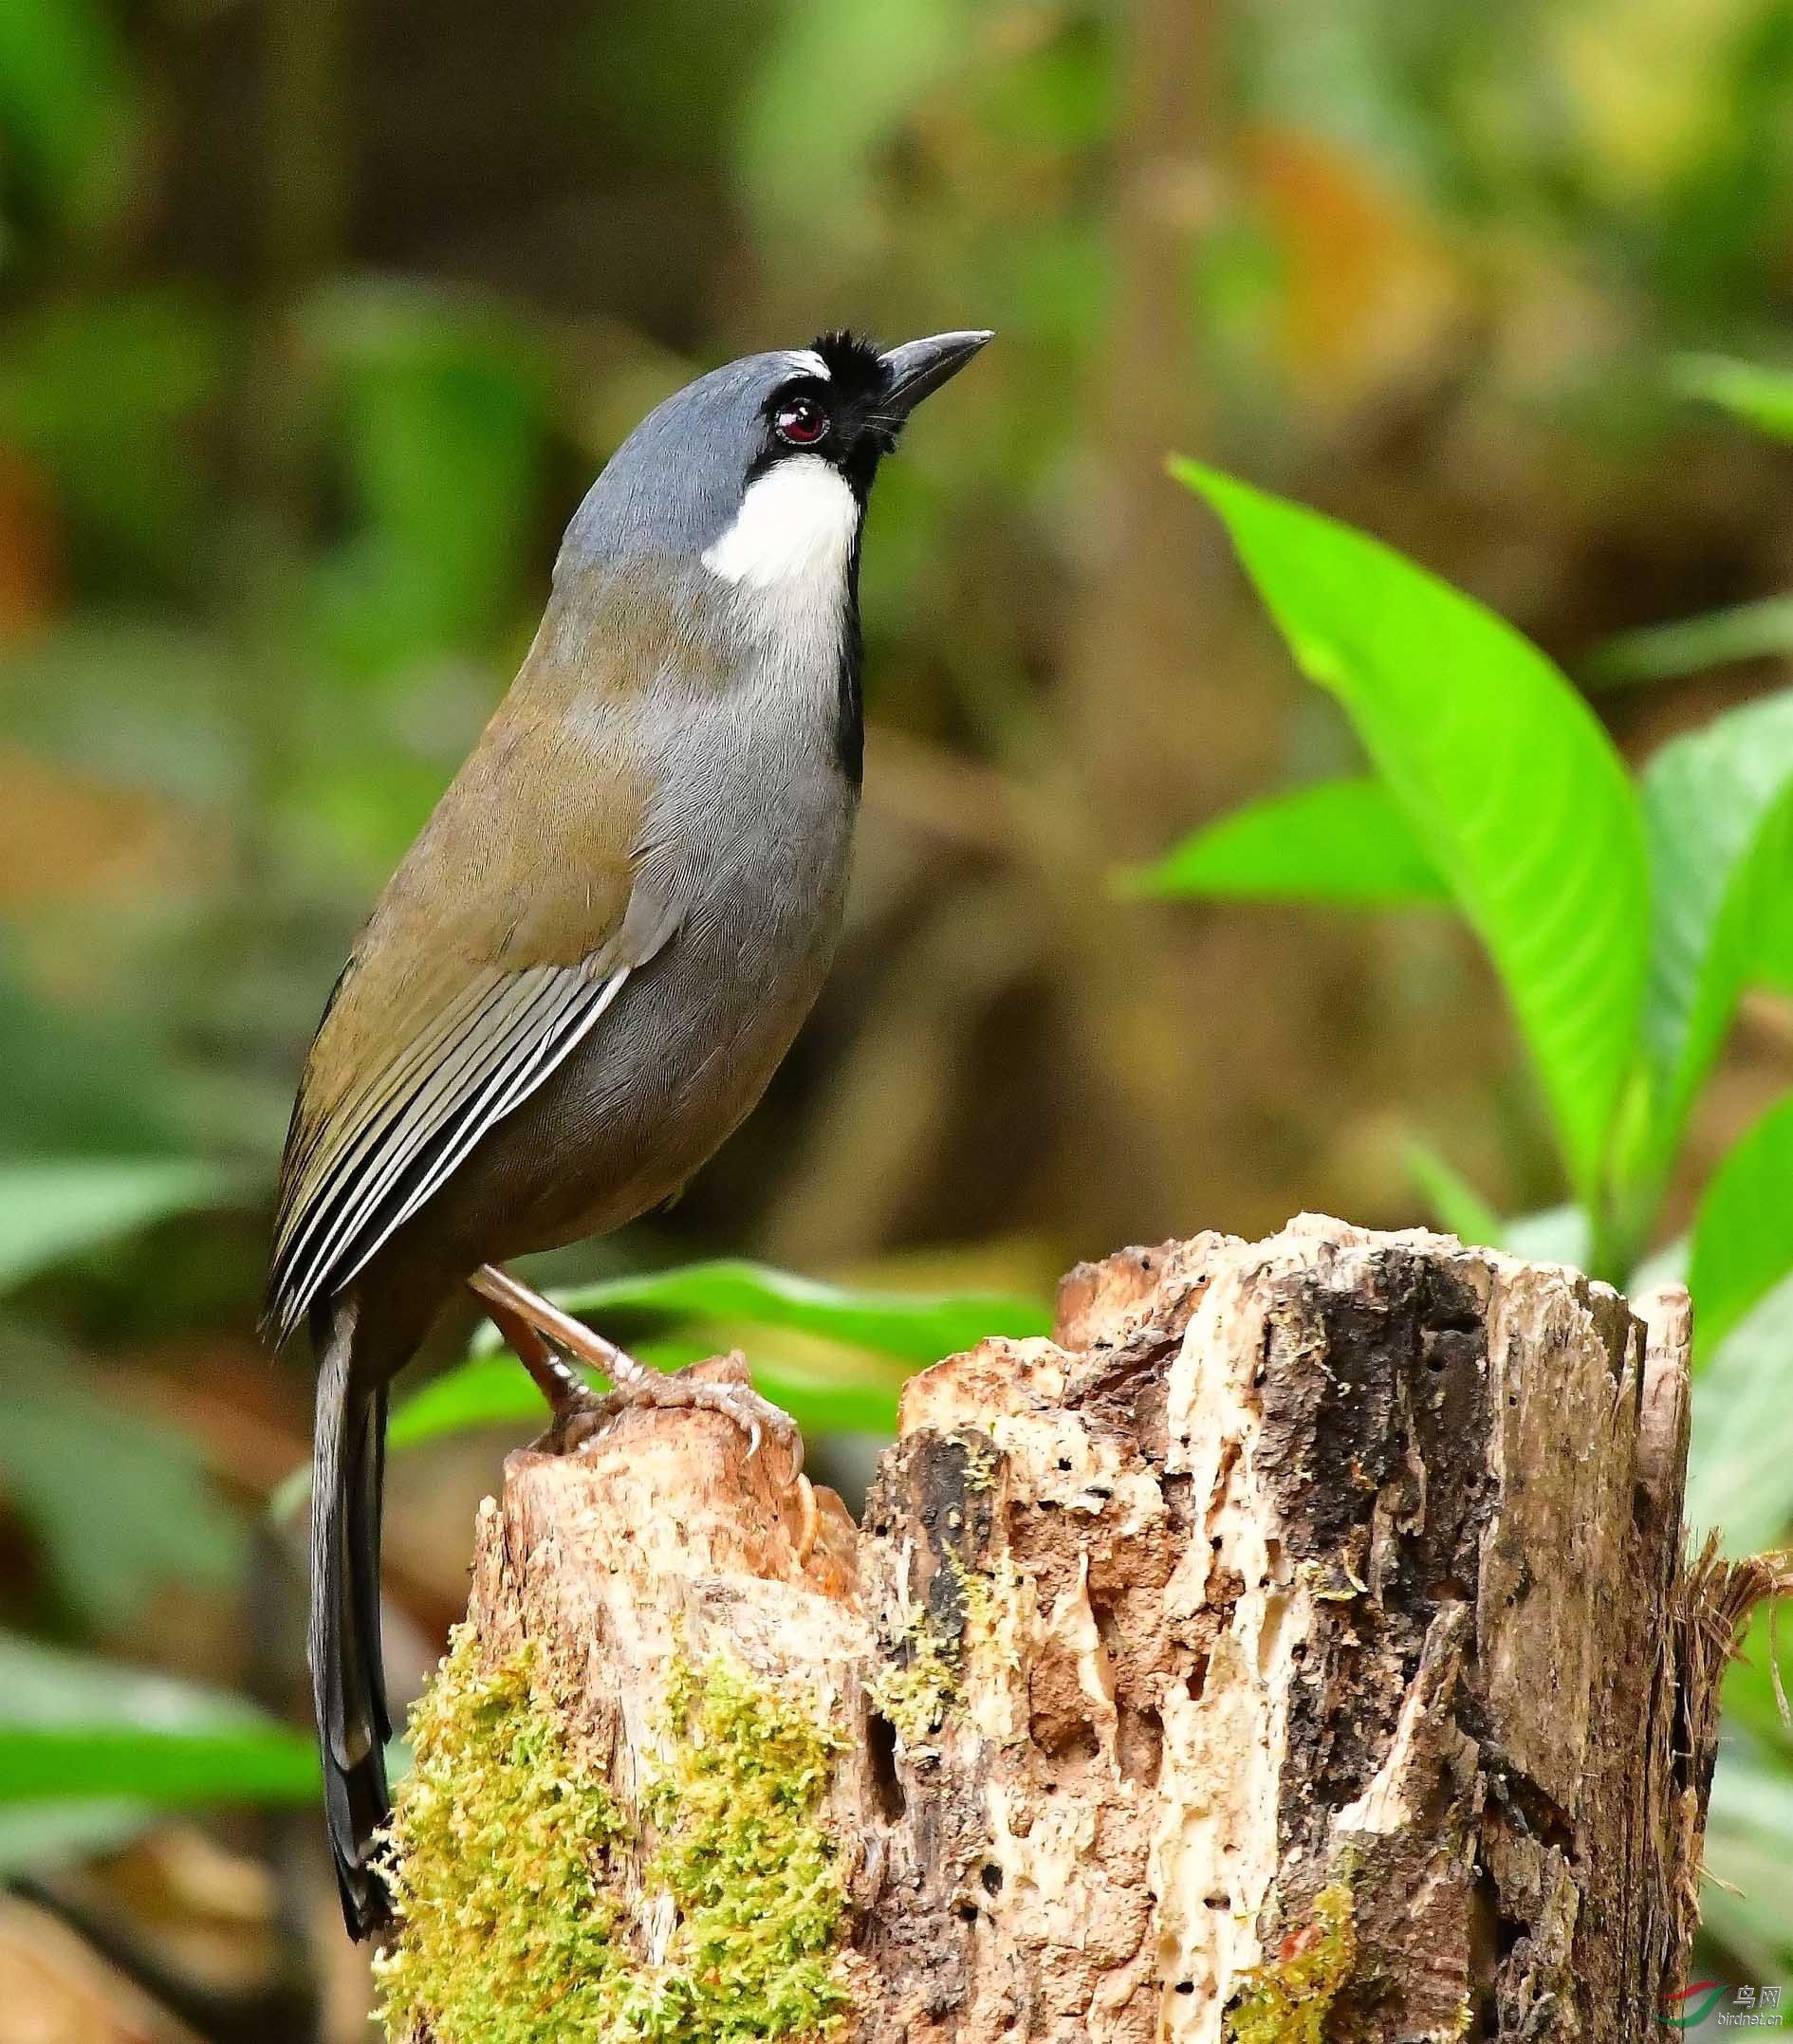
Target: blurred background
<point x="317" y="318"/>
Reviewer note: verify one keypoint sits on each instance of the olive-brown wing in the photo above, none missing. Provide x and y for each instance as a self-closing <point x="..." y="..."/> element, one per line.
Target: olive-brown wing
<point x="497" y="947"/>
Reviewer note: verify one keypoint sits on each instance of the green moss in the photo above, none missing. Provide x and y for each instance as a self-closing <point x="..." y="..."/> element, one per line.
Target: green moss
<point x="988" y="1602"/>
<point x="758" y="1899"/>
<point x="980" y="1461"/>
<point x="1287" y="2001"/>
<point x="928" y="1677"/>
<point x="499" y="1857"/>
<point x="507" y="1861"/>
<point x="915" y="1691"/>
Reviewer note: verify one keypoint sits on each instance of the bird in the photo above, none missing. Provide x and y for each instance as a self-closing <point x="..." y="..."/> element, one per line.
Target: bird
<point x="583" y="973"/>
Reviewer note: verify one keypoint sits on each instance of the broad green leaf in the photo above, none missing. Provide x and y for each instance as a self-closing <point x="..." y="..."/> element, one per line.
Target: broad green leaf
<point x="254" y="1761"/>
<point x="1752" y="1692"/>
<point x="1773" y="968"/>
<point x="918" y="1327"/>
<point x="1740" y="1468"/>
<point x="1761" y="396"/>
<point x="51" y="1210"/>
<point x="1718" y="812"/>
<point x="1743" y="1234"/>
<point x="1455" y="1204"/>
<point x="1690" y="645"/>
<point x="1342" y="841"/>
<point x="121" y="1504"/>
<point x="75" y="1727"/>
<point x="491" y="1389"/>
<point x="1514" y="792"/>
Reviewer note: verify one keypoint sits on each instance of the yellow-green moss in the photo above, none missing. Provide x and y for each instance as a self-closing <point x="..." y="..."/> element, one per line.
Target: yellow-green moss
<point x="980" y="1461"/>
<point x="751" y="1873"/>
<point x="915" y="1692"/>
<point x="988" y="1602"/>
<point x="507" y="1866"/>
<point x="498" y="1857"/>
<point x="1285" y="2001"/>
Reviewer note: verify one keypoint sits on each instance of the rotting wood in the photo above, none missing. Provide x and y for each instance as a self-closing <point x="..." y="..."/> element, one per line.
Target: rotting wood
<point x="1297" y="1645"/>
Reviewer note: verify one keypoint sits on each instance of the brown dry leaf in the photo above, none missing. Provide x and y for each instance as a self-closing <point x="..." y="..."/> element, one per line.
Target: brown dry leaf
<point x="29" y="552"/>
<point x="1371" y="293"/>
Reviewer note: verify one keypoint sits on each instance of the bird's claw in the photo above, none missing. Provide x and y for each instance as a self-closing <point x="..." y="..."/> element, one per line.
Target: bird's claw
<point x="582" y="1415"/>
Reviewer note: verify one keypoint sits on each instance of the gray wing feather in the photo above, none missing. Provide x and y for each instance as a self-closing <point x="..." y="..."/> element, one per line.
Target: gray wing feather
<point x="402" y="1136"/>
<point x="352" y="1135"/>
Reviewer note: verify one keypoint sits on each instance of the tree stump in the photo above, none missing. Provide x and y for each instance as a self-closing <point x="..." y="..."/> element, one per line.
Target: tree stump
<point x="1296" y="1646"/>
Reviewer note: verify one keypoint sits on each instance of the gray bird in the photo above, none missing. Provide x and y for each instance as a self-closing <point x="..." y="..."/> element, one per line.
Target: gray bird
<point x="592" y="960"/>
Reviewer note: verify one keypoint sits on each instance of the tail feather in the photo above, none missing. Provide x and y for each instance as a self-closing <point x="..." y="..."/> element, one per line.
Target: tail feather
<point x="348" y="1679"/>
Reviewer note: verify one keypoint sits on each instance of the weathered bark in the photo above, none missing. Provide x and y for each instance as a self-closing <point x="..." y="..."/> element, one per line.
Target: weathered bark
<point x="1297" y="1645"/>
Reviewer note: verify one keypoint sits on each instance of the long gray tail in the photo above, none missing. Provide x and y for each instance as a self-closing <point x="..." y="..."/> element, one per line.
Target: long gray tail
<point x="348" y="1679"/>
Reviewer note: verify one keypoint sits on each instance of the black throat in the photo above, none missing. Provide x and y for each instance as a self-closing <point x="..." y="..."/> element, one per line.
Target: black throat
<point x="849" y="731"/>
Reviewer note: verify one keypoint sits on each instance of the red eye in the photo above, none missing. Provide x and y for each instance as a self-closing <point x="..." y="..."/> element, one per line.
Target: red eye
<point x="802" y="422"/>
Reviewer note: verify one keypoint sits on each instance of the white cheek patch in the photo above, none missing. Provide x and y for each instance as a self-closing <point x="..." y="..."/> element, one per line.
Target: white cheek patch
<point x="795" y="526"/>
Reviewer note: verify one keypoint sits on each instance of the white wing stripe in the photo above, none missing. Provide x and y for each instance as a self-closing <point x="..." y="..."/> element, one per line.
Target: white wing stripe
<point x="319" y="1206"/>
<point x="431" y="1112"/>
<point x="517" y="1087"/>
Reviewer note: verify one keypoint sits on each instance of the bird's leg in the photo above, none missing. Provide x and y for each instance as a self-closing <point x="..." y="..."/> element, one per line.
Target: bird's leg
<point x="565" y="1390"/>
<point x="542" y="1334"/>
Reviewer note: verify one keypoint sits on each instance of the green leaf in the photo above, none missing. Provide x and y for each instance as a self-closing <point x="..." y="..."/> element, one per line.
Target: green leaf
<point x="121" y="1504"/>
<point x="1743" y="1233"/>
<point x="920" y="1327"/>
<point x="1692" y="645"/>
<point x="72" y="1727"/>
<point x="50" y="1211"/>
<point x="1740" y="1467"/>
<point x="1758" y="395"/>
<point x="1455" y="1204"/>
<point x="1748" y="1902"/>
<point x="493" y="1391"/>
<point x="1552" y="1235"/>
<point x="1752" y="1692"/>
<point x="67" y="105"/>
<point x="808" y="159"/>
<point x="1514" y="792"/>
<point x="1773" y="947"/>
<point x="496" y="1390"/>
<point x="1718" y="813"/>
<point x="1341" y="841"/>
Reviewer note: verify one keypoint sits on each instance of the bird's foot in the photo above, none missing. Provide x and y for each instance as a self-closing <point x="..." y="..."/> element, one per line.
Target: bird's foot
<point x="543" y="1336"/>
<point x="580" y="1417"/>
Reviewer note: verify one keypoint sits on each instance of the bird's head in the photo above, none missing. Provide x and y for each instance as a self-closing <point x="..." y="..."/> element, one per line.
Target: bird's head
<point x="761" y="469"/>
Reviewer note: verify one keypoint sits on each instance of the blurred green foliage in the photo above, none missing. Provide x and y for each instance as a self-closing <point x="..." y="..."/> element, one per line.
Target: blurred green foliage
<point x="315" y="321"/>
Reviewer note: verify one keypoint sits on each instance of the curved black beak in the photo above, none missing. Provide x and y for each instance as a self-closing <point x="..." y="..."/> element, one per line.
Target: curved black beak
<point x="919" y="368"/>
